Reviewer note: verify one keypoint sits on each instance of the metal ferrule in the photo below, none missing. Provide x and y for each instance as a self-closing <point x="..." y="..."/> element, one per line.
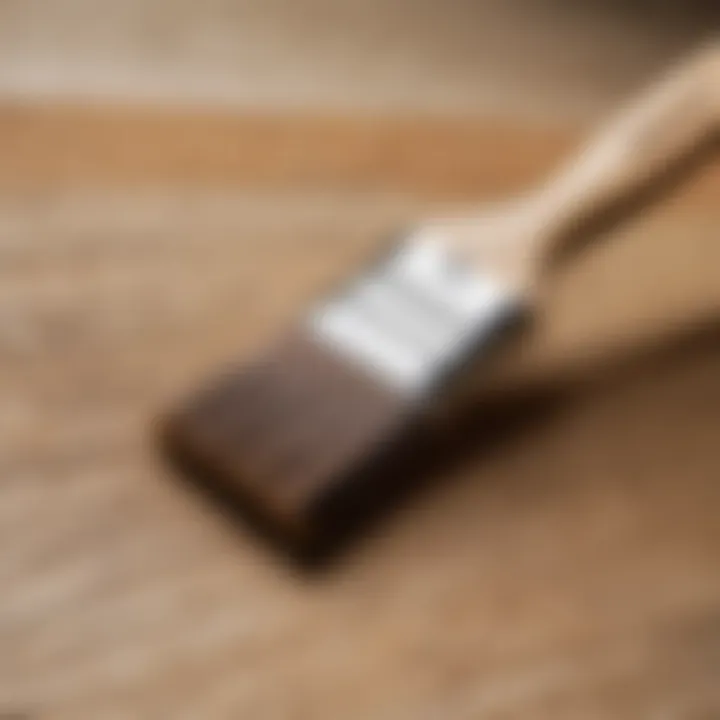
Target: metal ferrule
<point x="416" y="318"/>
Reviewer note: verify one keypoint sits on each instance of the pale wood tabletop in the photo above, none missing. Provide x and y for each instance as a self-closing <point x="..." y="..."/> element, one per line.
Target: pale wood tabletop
<point x="570" y="572"/>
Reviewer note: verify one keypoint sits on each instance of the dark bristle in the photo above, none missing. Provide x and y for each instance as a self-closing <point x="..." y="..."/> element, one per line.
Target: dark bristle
<point x="291" y="431"/>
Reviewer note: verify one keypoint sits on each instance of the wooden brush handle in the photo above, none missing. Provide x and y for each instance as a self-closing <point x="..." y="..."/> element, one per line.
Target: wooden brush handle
<point x="660" y="128"/>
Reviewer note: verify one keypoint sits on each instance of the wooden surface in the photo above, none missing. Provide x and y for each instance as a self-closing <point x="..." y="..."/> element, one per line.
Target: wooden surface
<point x="569" y="572"/>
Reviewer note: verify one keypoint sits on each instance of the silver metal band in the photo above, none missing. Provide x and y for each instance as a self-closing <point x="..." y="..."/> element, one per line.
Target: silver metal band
<point x="415" y="317"/>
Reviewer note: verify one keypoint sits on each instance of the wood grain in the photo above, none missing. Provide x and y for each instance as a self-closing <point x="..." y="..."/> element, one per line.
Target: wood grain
<point x="570" y="572"/>
<point x="464" y="158"/>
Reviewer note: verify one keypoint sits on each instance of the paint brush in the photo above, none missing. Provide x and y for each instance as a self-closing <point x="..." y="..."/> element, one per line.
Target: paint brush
<point x="350" y="395"/>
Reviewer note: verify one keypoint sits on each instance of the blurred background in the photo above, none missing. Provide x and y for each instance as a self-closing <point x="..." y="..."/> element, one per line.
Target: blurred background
<point x="176" y="179"/>
<point x="546" y="57"/>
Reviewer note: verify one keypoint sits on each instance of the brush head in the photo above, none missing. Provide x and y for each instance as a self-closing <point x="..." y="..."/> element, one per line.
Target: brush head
<point x="345" y="400"/>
